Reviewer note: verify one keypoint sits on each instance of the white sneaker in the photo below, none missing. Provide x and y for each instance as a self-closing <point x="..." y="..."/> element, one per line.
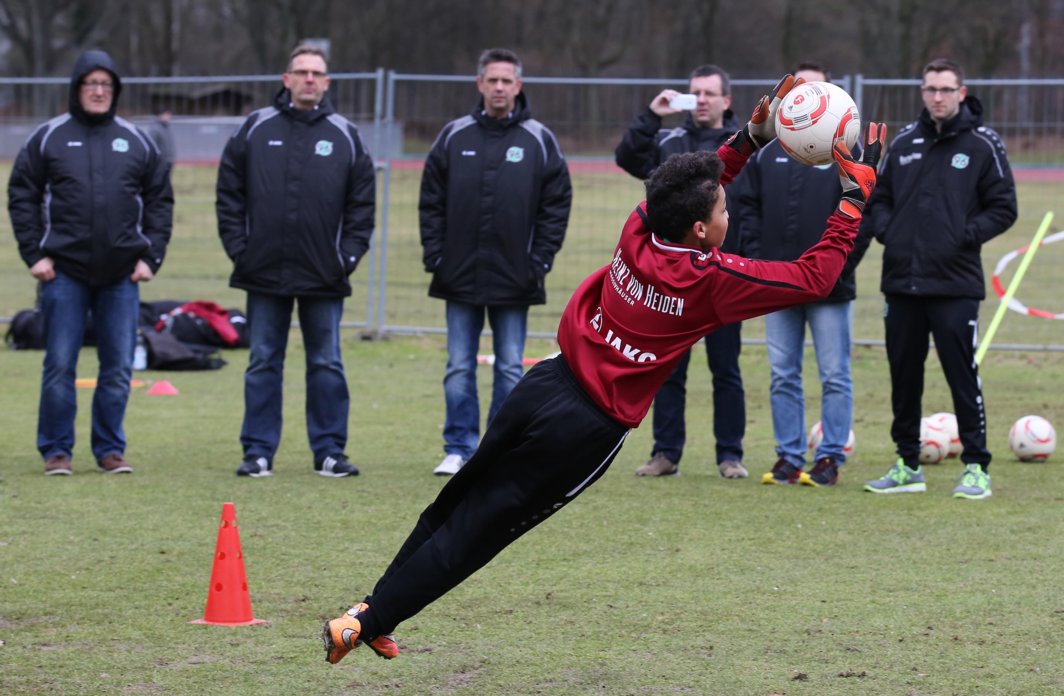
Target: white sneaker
<point x="450" y="465"/>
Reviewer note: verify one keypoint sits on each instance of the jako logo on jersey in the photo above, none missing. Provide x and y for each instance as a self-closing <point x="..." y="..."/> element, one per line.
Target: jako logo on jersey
<point x="515" y="154"/>
<point x="323" y="148"/>
<point x="631" y="352"/>
<point x="906" y="159"/>
<point x="275" y="143"/>
<point x="960" y="161"/>
<point x="120" y="145"/>
<point x="469" y="153"/>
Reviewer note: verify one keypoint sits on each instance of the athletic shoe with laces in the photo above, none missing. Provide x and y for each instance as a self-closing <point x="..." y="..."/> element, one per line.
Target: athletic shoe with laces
<point x="342" y="635"/>
<point x="900" y="479"/>
<point x="732" y="469"/>
<point x="783" y="473"/>
<point x="256" y="467"/>
<point x="658" y="465"/>
<point x="974" y="483"/>
<point x="450" y="465"/>
<point x="335" y="466"/>
<point x="825" y="472"/>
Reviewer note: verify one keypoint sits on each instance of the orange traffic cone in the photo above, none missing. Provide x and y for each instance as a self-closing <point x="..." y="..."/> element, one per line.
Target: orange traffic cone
<point x="228" y="601"/>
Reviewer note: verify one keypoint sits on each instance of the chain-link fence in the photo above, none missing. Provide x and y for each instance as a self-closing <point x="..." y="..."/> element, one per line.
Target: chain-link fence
<point x="400" y="115"/>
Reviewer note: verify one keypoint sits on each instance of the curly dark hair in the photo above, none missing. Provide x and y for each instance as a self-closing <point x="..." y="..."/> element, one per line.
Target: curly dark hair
<point x="682" y="191"/>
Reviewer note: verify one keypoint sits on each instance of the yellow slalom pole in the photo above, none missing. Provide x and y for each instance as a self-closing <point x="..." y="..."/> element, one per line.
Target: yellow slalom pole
<point x="1024" y="263"/>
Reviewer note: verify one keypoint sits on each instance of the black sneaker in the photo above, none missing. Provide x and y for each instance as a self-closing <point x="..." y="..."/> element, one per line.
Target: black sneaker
<point x="255" y="467"/>
<point x="782" y="474"/>
<point x="335" y="466"/>
<point x="824" y="473"/>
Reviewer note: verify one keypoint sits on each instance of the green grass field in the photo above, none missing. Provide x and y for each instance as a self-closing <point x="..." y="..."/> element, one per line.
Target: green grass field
<point x="690" y="584"/>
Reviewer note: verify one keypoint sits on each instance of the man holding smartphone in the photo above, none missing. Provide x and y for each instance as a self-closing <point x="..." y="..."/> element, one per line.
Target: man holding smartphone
<point x="646" y="145"/>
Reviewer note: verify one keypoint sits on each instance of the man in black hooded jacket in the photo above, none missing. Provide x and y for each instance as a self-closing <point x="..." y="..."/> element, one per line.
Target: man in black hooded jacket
<point x="92" y="209"/>
<point x="295" y="205"/>
<point x="945" y="189"/>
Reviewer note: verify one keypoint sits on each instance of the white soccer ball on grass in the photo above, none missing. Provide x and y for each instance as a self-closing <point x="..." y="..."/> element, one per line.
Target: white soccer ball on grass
<point x="1032" y="439"/>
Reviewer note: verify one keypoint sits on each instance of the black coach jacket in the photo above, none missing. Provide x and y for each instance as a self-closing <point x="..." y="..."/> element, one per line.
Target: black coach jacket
<point x="939" y="198"/>
<point x="783" y="207"/>
<point x="91" y="191"/>
<point x="646" y="145"/>
<point x="494" y="207"/>
<point x="295" y="201"/>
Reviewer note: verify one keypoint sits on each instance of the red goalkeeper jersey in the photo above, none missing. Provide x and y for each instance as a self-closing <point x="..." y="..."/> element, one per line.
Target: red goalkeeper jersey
<point x="629" y="322"/>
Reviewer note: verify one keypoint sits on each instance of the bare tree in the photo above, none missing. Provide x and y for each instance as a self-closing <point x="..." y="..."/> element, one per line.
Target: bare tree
<point x="757" y="38"/>
<point x="43" y="32"/>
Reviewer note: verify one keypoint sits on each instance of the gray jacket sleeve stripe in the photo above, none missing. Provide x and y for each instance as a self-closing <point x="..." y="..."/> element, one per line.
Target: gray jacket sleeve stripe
<point x="453" y="127"/>
<point x="990" y="143"/>
<point x="50" y="126"/>
<point x="263" y="115"/>
<point x="345" y="126"/>
<point x="148" y="143"/>
<point x="542" y="133"/>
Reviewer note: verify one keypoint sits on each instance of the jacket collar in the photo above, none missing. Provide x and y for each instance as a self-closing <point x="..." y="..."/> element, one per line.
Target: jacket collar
<point x="283" y="102"/>
<point x="521" y="112"/>
<point x="969" y="117"/>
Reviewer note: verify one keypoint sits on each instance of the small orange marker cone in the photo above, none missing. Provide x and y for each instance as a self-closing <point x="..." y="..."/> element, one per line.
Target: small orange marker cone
<point x="163" y="388"/>
<point x="228" y="600"/>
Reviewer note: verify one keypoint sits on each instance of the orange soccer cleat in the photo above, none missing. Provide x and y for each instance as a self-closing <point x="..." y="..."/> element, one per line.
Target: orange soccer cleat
<point x="384" y="646"/>
<point x="341" y="636"/>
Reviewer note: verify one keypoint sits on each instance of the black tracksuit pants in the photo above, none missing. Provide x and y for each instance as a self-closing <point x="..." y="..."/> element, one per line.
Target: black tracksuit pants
<point x="545" y="446"/>
<point x="954" y="324"/>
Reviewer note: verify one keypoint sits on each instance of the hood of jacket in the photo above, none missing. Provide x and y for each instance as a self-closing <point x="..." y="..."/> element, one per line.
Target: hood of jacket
<point x="85" y="64"/>
<point x="969" y="117"/>
<point x="521" y="112"/>
<point x="283" y="102"/>
<point x="698" y="134"/>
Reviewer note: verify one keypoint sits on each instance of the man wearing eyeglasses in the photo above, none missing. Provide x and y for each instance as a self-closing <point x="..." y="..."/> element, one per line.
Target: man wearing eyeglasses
<point x="645" y="146"/>
<point x="295" y="205"/>
<point x="945" y="189"/>
<point x="92" y="209"/>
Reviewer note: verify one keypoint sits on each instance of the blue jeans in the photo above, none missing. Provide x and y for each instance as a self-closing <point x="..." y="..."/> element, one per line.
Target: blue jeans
<point x="829" y="324"/>
<point x="65" y="303"/>
<point x="461" y="429"/>
<point x="729" y="400"/>
<point x="327" y="398"/>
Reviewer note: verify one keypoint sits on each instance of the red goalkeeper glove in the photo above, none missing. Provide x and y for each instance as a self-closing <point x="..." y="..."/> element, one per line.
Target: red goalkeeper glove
<point x="858" y="177"/>
<point x="760" y="130"/>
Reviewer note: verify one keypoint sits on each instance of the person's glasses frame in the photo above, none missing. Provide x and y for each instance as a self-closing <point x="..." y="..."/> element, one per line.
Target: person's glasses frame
<point x="93" y="86"/>
<point x="940" y="91"/>
<point x="305" y="74"/>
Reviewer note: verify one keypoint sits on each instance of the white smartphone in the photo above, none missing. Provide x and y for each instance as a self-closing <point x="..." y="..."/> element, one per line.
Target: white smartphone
<point x="684" y="102"/>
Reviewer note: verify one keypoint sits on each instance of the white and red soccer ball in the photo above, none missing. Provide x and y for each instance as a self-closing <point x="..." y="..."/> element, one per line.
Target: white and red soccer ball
<point x="811" y="117"/>
<point x="816" y="436"/>
<point x="934" y="442"/>
<point x="946" y="422"/>
<point x="1032" y="439"/>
